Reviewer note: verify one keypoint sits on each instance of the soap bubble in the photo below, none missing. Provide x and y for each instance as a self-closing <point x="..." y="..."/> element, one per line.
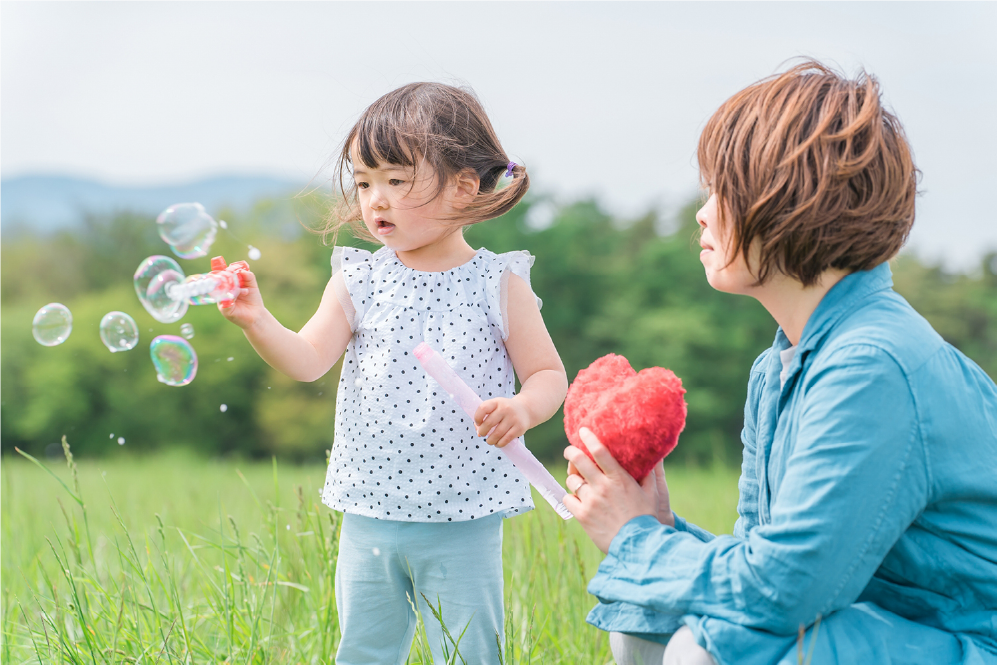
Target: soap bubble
<point x="121" y="441"/>
<point x="223" y="224"/>
<point x="153" y="279"/>
<point x="52" y="324"/>
<point x="187" y="330"/>
<point x="118" y="331"/>
<point x="230" y="358"/>
<point x="253" y="253"/>
<point x="175" y="360"/>
<point x="223" y="408"/>
<point x="112" y="435"/>
<point x="188" y="229"/>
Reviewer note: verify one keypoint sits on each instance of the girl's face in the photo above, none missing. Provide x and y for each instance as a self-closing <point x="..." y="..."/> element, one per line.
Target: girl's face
<point x="401" y="208"/>
<point x="726" y="271"/>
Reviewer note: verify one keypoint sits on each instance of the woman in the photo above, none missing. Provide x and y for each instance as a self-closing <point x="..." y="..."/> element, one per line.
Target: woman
<point x="868" y="487"/>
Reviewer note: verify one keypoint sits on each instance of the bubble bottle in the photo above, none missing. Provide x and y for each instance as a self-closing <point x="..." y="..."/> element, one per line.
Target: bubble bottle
<point x="165" y="292"/>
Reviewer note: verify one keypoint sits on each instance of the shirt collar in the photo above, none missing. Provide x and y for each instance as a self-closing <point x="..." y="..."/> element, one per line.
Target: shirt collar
<point x="844" y="297"/>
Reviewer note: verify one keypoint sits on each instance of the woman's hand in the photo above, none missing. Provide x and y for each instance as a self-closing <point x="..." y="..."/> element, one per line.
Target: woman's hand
<point x="501" y="420"/>
<point x="247" y="308"/>
<point x="606" y="497"/>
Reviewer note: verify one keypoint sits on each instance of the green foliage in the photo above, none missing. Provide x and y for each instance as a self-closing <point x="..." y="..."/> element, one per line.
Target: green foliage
<point x="174" y="559"/>
<point x="607" y="287"/>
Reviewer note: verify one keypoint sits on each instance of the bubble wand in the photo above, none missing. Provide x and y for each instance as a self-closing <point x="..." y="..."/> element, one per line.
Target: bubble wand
<point x="517" y="453"/>
<point x="165" y="292"/>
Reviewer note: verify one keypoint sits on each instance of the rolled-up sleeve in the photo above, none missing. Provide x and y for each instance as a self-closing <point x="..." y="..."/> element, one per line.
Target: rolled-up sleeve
<point x="854" y="481"/>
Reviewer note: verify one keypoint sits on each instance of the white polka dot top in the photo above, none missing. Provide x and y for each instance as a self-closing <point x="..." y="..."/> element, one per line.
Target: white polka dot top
<point x="403" y="450"/>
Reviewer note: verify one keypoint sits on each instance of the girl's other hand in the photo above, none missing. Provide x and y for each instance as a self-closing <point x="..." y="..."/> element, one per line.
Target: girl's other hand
<point x="606" y="497"/>
<point x="247" y="307"/>
<point x="501" y="420"/>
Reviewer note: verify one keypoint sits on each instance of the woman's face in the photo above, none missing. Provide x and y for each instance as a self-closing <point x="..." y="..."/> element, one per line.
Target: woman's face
<point x="726" y="270"/>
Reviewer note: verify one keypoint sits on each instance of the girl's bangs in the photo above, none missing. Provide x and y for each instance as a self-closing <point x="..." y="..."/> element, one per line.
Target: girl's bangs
<point x="383" y="143"/>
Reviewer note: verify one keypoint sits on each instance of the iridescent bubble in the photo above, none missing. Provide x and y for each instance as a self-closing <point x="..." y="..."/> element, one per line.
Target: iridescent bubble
<point x="118" y="331"/>
<point x="188" y="229"/>
<point x="52" y="324"/>
<point x="153" y="280"/>
<point x="187" y="330"/>
<point x="121" y="441"/>
<point x="253" y="253"/>
<point x="223" y="408"/>
<point x="175" y="360"/>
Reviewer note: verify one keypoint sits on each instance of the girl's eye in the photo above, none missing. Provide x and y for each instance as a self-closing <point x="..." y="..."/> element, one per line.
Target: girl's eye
<point x="362" y="186"/>
<point x="395" y="181"/>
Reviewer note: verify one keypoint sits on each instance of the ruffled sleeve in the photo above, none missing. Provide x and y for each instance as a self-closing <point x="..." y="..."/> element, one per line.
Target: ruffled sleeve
<point x="497" y="285"/>
<point x="355" y="265"/>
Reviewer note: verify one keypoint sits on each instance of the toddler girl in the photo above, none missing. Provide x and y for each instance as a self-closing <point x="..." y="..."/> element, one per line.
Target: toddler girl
<point x="422" y="494"/>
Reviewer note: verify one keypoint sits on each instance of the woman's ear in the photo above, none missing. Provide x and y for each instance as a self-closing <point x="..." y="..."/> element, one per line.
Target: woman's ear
<point x="464" y="188"/>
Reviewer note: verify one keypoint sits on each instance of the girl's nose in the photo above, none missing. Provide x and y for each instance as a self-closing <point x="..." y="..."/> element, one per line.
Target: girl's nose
<point x="377" y="200"/>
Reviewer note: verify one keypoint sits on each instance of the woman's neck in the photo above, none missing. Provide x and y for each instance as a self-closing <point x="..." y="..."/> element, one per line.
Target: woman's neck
<point x="791" y="303"/>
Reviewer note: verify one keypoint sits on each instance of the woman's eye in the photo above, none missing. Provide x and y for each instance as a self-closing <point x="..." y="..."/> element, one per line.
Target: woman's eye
<point x="395" y="181"/>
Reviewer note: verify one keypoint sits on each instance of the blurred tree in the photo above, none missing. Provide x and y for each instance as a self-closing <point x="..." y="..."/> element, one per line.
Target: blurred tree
<point x="607" y="287"/>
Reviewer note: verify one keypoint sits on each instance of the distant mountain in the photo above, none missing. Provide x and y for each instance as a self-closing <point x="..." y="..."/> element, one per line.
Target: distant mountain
<point x="49" y="202"/>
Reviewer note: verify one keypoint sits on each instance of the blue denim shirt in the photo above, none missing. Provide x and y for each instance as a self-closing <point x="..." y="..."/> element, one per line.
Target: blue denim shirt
<point x="868" y="481"/>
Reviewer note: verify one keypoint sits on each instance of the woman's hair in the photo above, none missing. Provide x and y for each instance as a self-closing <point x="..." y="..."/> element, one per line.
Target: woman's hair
<point x="434" y="125"/>
<point x="810" y="164"/>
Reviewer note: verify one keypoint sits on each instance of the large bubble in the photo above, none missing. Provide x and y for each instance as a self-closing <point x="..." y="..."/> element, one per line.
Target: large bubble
<point x="188" y="229"/>
<point x="153" y="281"/>
<point x="52" y="324"/>
<point x="118" y="331"/>
<point x="175" y="360"/>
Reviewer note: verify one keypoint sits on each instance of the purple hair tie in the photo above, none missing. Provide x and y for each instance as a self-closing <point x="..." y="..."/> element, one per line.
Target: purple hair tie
<point x="509" y="169"/>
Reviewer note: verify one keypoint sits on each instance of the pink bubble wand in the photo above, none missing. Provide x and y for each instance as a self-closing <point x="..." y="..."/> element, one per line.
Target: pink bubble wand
<point x="516" y="451"/>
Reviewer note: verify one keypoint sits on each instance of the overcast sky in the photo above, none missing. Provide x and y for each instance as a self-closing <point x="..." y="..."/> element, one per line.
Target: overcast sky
<point x="603" y="99"/>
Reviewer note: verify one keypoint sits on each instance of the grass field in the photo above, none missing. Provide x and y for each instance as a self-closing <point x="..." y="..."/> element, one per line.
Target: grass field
<point x="172" y="559"/>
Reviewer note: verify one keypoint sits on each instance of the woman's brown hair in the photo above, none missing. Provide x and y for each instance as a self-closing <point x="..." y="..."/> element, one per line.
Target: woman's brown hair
<point x="811" y="166"/>
<point x="431" y="124"/>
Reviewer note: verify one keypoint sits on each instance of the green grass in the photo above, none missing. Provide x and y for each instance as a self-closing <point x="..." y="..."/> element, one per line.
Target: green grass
<point x="174" y="559"/>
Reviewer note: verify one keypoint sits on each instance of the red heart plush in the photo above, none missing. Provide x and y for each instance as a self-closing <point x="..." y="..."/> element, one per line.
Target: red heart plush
<point x="637" y="415"/>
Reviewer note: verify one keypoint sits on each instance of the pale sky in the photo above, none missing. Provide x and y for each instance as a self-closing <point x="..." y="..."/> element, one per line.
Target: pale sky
<point x="603" y="99"/>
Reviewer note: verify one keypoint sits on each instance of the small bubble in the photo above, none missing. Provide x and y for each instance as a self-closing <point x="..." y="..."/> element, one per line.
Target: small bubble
<point x="253" y="253"/>
<point x="320" y="392"/>
<point x="223" y="408"/>
<point x="118" y="331"/>
<point x="121" y="440"/>
<point x="230" y="359"/>
<point x="52" y="324"/>
<point x="187" y="330"/>
<point x="376" y="551"/>
<point x="112" y="436"/>
<point x="223" y="224"/>
<point x="287" y="527"/>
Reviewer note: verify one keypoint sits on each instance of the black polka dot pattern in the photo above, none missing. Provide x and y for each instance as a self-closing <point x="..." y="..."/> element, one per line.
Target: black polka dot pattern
<point x="403" y="450"/>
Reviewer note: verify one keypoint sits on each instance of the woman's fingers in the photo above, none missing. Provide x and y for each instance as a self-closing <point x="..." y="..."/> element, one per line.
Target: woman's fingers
<point x="601" y="454"/>
<point x="585" y="467"/>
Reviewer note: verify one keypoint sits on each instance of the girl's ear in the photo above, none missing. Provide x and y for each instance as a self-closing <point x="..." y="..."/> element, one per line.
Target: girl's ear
<point x="464" y="188"/>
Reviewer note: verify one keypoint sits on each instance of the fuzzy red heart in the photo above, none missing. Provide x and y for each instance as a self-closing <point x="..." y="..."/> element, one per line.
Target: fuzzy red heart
<point x="637" y="415"/>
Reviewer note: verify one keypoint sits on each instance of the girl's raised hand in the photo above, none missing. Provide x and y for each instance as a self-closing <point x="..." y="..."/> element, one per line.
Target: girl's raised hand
<point x="501" y="420"/>
<point x="605" y="496"/>
<point x="248" y="306"/>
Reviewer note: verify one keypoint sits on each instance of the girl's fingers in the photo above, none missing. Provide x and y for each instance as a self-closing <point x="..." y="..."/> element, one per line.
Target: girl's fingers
<point x="601" y="454"/>
<point x="585" y="467"/>
<point x="484" y="411"/>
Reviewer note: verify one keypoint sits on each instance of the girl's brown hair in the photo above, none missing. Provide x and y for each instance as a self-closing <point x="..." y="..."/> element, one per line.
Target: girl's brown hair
<point x="431" y="124"/>
<point x="810" y="164"/>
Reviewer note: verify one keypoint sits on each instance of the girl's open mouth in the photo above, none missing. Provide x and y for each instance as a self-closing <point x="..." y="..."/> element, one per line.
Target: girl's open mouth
<point x="384" y="227"/>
